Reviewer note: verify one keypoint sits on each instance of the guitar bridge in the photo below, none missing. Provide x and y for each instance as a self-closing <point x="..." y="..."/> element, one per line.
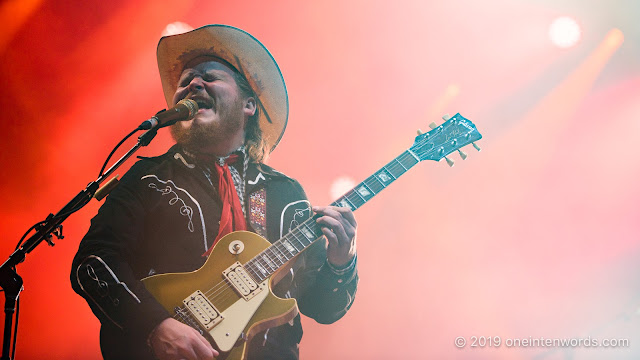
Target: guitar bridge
<point x="202" y="310"/>
<point x="240" y="279"/>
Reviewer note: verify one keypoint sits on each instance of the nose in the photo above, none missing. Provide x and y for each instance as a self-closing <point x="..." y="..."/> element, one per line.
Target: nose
<point x="196" y="84"/>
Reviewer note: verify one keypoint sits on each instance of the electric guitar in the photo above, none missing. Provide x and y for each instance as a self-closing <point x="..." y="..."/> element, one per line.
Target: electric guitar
<point x="229" y="299"/>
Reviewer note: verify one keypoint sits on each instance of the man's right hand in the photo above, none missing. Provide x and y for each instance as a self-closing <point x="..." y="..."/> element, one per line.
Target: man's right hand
<point x="173" y="340"/>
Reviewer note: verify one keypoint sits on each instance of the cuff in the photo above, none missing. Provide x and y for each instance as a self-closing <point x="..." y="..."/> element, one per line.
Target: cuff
<point x="343" y="270"/>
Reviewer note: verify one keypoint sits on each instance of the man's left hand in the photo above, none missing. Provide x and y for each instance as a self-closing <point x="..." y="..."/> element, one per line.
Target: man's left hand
<point x="339" y="226"/>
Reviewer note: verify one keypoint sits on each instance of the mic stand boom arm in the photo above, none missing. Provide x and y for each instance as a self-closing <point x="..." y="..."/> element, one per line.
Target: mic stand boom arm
<point x="10" y="281"/>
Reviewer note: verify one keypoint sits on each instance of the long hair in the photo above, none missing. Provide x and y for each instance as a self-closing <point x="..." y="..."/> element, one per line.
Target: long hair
<point x="255" y="144"/>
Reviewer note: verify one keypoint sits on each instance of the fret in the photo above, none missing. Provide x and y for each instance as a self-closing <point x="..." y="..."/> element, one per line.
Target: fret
<point x="312" y="226"/>
<point x="268" y="262"/>
<point x="306" y="233"/>
<point x="354" y="191"/>
<point x="304" y="229"/>
<point x="275" y="256"/>
<point x="392" y="167"/>
<point x="389" y="172"/>
<point x="289" y="247"/>
<point x="414" y="155"/>
<point x="275" y="246"/>
<point x="251" y="269"/>
<point x="364" y="191"/>
<point x="409" y="159"/>
<point x="400" y="162"/>
<point x="344" y="202"/>
<point x="262" y="270"/>
<point x="375" y="184"/>
<point x="293" y="233"/>
<point x="265" y="265"/>
<point x="356" y="199"/>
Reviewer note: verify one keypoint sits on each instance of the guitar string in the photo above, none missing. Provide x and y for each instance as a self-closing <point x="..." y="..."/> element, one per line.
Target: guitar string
<point x="214" y="294"/>
<point x="218" y="290"/>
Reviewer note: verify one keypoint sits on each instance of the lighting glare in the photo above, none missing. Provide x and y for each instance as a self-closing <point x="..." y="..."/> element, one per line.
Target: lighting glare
<point x="564" y="32"/>
<point x="615" y="38"/>
<point x="340" y="186"/>
<point x="176" y="28"/>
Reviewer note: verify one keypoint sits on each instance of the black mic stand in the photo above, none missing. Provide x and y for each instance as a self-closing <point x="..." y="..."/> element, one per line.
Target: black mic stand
<point x="10" y="281"/>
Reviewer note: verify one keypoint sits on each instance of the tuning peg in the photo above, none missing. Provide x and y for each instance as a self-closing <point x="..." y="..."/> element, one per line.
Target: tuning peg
<point x="420" y="132"/>
<point x="449" y="161"/>
<point x="433" y="125"/>
<point x="463" y="154"/>
<point x="476" y="146"/>
<point x="446" y="117"/>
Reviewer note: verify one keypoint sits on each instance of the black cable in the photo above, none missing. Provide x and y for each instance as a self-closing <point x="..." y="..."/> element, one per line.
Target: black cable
<point x="114" y="150"/>
<point x="59" y="216"/>
<point x="75" y="208"/>
<point x="79" y="206"/>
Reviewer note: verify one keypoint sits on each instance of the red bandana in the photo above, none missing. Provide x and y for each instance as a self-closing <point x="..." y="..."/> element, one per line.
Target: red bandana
<point x="232" y="218"/>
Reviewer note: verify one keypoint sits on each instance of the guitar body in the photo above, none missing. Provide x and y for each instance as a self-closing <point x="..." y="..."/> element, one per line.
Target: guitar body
<point x="229" y="299"/>
<point x="239" y="319"/>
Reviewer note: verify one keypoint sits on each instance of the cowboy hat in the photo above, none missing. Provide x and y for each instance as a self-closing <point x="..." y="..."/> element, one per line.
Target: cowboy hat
<point x="242" y="51"/>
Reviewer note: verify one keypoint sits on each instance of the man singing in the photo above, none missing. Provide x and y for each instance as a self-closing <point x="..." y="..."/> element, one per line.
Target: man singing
<point x="168" y="211"/>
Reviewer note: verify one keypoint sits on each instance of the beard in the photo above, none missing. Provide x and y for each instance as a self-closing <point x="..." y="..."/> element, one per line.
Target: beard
<point x="200" y="136"/>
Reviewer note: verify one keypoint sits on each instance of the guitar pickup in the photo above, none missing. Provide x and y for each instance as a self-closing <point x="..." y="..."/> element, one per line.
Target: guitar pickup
<point x="202" y="310"/>
<point x="240" y="279"/>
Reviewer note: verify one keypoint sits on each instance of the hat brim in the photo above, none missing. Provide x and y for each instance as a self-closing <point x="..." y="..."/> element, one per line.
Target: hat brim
<point x="244" y="52"/>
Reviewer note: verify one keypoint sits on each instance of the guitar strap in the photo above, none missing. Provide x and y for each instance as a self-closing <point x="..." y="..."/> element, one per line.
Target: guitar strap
<point x="258" y="211"/>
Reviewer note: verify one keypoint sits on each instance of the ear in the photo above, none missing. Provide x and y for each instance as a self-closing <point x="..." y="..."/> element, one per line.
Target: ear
<point x="249" y="106"/>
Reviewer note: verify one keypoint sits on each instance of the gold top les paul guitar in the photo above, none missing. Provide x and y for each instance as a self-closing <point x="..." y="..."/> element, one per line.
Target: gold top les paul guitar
<point x="229" y="298"/>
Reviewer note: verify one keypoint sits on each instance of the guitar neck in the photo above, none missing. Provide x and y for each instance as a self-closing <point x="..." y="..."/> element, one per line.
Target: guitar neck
<point x="263" y="265"/>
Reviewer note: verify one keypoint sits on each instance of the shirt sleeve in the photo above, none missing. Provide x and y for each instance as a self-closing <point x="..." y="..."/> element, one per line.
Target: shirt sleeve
<point x="101" y="270"/>
<point x="324" y="293"/>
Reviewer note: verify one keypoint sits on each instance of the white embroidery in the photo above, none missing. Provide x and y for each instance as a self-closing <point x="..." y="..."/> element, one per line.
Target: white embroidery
<point x="185" y="210"/>
<point x="297" y="213"/>
<point x="260" y="176"/>
<point x="170" y="182"/>
<point x="102" y="284"/>
<point x="178" y="156"/>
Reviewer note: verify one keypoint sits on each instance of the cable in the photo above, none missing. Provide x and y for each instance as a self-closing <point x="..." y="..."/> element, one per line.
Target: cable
<point x="114" y="150"/>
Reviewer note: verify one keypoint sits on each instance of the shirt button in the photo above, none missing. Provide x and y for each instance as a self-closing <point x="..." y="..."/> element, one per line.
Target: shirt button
<point x="339" y="281"/>
<point x="335" y="290"/>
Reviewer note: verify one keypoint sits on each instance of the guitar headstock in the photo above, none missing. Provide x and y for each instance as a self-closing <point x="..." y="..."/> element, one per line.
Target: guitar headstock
<point x="455" y="133"/>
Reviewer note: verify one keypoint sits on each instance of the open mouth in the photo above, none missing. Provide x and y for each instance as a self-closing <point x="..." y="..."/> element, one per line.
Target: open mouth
<point x="203" y="103"/>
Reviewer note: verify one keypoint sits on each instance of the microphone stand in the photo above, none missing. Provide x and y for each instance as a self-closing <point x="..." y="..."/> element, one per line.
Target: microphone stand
<point x="10" y="281"/>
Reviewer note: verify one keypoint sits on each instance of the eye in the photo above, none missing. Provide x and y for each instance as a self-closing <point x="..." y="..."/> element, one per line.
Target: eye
<point x="208" y="77"/>
<point x="185" y="81"/>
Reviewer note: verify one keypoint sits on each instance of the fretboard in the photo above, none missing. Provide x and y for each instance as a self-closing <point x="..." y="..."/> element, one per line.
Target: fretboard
<point x="297" y="240"/>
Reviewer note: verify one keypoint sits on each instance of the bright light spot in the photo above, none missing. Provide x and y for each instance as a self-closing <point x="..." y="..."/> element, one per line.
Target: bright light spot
<point x="340" y="186"/>
<point x="176" y="28"/>
<point x="615" y="37"/>
<point x="564" y="32"/>
<point x="453" y="90"/>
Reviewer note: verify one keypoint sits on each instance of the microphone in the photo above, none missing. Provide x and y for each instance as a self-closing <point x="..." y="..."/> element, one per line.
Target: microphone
<point x="185" y="109"/>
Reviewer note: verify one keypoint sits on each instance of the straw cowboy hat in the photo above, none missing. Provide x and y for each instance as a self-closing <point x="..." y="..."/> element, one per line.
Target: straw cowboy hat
<point x="242" y="51"/>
